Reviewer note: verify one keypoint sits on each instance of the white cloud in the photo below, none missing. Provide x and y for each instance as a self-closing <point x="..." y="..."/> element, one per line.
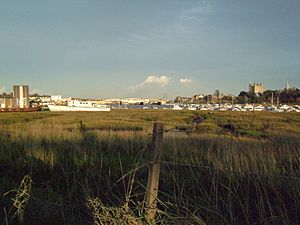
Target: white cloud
<point x="205" y="8"/>
<point x="36" y="91"/>
<point x="2" y="89"/>
<point x="185" y="80"/>
<point x="184" y="23"/>
<point x="189" y="20"/>
<point x="152" y="80"/>
<point x="161" y="81"/>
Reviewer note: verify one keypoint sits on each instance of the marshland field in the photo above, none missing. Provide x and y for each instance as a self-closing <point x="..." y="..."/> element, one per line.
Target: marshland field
<point x="91" y="168"/>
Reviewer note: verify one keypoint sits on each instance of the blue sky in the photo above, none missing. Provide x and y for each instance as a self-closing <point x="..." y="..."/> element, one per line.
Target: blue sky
<point x="122" y="48"/>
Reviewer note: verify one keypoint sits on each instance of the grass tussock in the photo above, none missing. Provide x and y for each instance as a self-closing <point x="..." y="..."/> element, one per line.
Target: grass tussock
<point x="20" y="200"/>
<point x="111" y="215"/>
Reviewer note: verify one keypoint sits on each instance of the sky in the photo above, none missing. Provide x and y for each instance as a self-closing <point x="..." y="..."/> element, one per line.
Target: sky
<point x="142" y="48"/>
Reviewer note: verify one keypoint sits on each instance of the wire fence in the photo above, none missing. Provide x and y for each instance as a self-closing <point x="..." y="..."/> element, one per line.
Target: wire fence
<point x="149" y="145"/>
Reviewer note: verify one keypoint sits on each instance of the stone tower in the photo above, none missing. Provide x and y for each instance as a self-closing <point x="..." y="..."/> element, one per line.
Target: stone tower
<point x="256" y="88"/>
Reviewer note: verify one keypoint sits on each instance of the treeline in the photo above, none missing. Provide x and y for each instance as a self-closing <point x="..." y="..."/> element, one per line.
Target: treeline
<point x="283" y="96"/>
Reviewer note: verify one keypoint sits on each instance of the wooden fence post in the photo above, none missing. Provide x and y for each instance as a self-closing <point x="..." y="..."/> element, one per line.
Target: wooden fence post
<point x="154" y="170"/>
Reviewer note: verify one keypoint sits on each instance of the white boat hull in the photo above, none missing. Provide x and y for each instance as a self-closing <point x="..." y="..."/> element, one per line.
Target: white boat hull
<point x="62" y="108"/>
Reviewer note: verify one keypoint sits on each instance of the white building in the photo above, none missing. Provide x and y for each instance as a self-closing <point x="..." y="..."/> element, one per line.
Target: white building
<point x="56" y="98"/>
<point x="126" y="101"/>
<point x="21" y="96"/>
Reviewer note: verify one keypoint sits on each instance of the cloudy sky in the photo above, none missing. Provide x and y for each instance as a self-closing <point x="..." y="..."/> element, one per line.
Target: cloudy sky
<point x="126" y="48"/>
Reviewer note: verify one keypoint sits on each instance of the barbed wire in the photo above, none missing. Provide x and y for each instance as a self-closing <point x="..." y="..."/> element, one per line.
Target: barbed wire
<point x="184" y="164"/>
<point x="224" y="170"/>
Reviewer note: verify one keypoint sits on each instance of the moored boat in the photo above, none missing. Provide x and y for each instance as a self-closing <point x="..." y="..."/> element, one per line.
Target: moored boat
<point x="64" y="108"/>
<point x="20" y="109"/>
<point x="76" y="105"/>
<point x="177" y="107"/>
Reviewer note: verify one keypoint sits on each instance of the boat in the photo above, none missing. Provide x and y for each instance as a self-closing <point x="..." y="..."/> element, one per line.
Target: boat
<point x="192" y="107"/>
<point x="203" y="109"/>
<point x="248" y="107"/>
<point x="82" y="106"/>
<point x="20" y="109"/>
<point x="236" y="109"/>
<point x="285" y="107"/>
<point x="259" y="108"/>
<point x="177" y="107"/>
<point x="271" y="108"/>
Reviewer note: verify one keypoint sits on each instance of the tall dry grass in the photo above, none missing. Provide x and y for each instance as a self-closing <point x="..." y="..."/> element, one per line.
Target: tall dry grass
<point x="92" y="167"/>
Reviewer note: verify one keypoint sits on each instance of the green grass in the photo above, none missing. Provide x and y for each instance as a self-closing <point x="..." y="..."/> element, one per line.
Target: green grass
<point x="209" y="175"/>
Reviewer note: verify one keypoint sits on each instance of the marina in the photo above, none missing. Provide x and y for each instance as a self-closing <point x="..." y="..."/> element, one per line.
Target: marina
<point x="214" y="107"/>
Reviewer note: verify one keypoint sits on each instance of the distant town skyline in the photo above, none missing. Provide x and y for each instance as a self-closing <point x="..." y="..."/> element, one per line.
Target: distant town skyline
<point x="107" y="49"/>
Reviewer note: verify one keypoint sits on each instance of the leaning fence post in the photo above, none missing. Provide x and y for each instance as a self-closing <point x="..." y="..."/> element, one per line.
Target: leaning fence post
<point x="154" y="170"/>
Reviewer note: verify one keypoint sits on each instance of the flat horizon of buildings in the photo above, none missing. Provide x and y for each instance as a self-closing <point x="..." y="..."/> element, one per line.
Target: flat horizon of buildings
<point x="20" y="98"/>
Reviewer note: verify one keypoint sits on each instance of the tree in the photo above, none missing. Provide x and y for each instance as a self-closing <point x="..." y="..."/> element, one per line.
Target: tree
<point x="243" y="97"/>
<point x="217" y="93"/>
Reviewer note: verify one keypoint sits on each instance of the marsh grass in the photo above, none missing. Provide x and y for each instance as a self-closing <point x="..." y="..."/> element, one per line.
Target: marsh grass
<point x="92" y="167"/>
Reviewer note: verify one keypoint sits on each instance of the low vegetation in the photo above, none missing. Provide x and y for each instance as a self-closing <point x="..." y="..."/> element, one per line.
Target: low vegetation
<point x="91" y="168"/>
